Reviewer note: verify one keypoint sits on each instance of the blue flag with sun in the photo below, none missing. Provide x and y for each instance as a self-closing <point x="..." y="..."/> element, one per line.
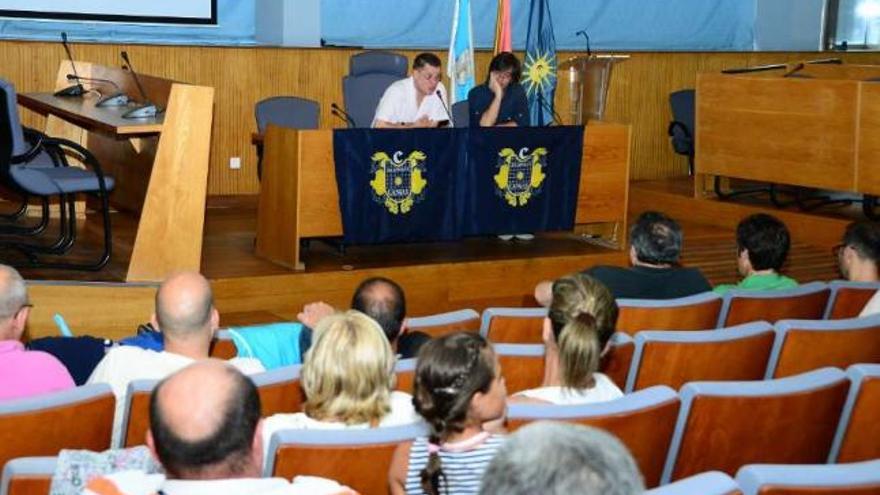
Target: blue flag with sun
<point x="539" y="70"/>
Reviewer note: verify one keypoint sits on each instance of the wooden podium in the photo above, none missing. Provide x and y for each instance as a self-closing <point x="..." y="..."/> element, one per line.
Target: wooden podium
<point x="299" y="198"/>
<point x="816" y="128"/>
<point x="160" y="164"/>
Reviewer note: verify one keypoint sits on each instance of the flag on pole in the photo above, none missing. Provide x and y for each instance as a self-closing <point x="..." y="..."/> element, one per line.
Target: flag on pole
<point x="502" y="28"/>
<point x="460" y="67"/>
<point x="539" y="70"/>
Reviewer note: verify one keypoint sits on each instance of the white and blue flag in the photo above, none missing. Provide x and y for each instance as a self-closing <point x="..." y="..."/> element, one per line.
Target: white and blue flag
<point x="460" y="67"/>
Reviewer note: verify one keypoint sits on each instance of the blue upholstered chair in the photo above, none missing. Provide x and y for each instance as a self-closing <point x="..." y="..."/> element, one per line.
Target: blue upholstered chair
<point x="725" y="425"/>
<point x="284" y="111"/>
<point x="805" y="302"/>
<point x="443" y="323"/>
<point x="513" y="325"/>
<point x="675" y="358"/>
<point x="840" y="479"/>
<point x="710" y="483"/>
<point x="696" y="312"/>
<point x="681" y="128"/>
<point x="804" y="345"/>
<point x="369" y="75"/>
<point x="847" y="298"/>
<point x="858" y="434"/>
<point x="356" y="458"/>
<point x="644" y="421"/>
<point x="461" y="114"/>
<point x="28" y="476"/>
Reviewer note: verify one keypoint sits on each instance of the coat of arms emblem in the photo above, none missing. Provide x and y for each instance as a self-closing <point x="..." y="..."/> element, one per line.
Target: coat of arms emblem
<point x="520" y="174"/>
<point x="398" y="183"/>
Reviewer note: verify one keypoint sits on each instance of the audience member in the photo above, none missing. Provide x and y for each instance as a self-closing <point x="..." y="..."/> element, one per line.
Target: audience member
<point x="580" y="322"/>
<point x="383" y="300"/>
<point x="204" y="430"/>
<point x="348" y="379"/>
<point x="655" y="274"/>
<point x="458" y="389"/>
<point x="562" y="459"/>
<point x="186" y="316"/>
<point x="23" y="373"/>
<point x="762" y="243"/>
<point x="859" y="252"/>
<point x="417" y="101"/>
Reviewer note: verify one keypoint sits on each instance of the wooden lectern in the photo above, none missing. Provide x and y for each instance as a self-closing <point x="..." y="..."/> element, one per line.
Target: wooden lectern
<point x="160" y="164"/>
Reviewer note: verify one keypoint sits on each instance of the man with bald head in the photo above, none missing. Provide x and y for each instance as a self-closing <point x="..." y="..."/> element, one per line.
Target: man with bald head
<point x="186" y="316"/>
<point x="23" y="373"/>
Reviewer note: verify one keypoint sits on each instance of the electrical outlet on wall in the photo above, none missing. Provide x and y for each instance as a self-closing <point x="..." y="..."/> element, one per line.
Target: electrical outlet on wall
<point x="235" y="162"/>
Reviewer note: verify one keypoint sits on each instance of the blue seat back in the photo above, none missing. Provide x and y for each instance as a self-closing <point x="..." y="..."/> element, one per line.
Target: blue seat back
<point x="369" y="75"/>
<point x="287" y="111"/>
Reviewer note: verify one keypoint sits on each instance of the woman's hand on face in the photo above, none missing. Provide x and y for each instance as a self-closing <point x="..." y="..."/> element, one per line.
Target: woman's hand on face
<point x="495" y="85"/>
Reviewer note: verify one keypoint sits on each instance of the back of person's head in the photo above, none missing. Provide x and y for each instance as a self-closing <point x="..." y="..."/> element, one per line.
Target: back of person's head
<point x="426" y="58"/>
<point x="656" y="239"/>
<point x="185" y="307"/>
<point x="505" y="61"/>
<point x="13" y="299"/>
<point x="203" y="421"/>
<point x="583" y="314"/>
<point x="348" y="374"/>
<point x="864" y="238"/>
<point x="450" y="371"/>
<point x="561" y="459"/>
<point x="766" y="239"/>
<point x="381" y="299"/>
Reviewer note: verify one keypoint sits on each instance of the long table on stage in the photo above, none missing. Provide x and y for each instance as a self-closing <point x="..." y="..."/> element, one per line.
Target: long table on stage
<point x="160" y="164"/>
<point x="299" y="197"/>
<point x="817" y="129"/>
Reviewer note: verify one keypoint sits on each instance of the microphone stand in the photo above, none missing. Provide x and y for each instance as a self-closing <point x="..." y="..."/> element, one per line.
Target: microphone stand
<point x="77" y="89"/>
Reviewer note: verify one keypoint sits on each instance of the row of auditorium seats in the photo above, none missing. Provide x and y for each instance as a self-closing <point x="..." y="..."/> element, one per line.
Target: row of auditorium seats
<point x="824" y="415"/>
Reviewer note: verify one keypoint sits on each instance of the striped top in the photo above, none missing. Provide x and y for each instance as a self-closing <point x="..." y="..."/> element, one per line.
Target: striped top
<point x="463" y="468"/>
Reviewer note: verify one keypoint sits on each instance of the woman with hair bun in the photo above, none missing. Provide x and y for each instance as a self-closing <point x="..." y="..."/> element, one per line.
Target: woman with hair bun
<point x="580" y="321"/>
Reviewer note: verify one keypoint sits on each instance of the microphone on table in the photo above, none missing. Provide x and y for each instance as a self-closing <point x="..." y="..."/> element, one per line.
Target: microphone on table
<point x="118" y="99"/>
<point x="147" y="109"/>
<point x="77" y="89"/>
<point x="339" y="112"/>
<point x="448" y="113"/>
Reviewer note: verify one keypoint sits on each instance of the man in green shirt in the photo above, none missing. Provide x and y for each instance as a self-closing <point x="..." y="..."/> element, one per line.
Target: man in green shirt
<point x="762" y="243"/>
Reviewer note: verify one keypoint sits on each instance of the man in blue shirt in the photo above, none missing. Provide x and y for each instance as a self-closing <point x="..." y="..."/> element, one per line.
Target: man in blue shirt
<point x="500" y="101"/>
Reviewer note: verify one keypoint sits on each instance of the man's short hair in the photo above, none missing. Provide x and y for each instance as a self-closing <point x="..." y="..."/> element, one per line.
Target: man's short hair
<point x="424" y="59"/>
<point x="767" y="240"/>
<point x="13" y="291"/>
<point x="864" y="237"/>
<point x="656" y="239"/>
<point x="230" y="443"/>
<point x="558" y="458"/>
<point x="381" y="299"/>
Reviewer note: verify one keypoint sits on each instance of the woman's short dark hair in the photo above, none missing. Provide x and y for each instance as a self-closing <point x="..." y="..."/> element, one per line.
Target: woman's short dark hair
<point x="505" y="61"/>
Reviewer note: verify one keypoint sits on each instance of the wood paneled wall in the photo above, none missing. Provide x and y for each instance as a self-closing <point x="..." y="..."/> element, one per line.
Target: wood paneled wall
<point x="243" y="76"/>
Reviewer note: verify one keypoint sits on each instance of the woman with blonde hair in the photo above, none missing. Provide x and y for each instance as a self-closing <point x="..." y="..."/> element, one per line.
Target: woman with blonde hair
<point x="580" y="321"/>
<point x="348" y="379"/>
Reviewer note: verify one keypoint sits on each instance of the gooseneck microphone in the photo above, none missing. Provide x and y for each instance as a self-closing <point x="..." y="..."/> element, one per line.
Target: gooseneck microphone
<point x="77" y="89"/>
<point x="147" y="109"/>
<point x="448" y="113"/>
<point x="117" y="99"/>
<point x="339" y="112"/>
<point x="583" y="32"/>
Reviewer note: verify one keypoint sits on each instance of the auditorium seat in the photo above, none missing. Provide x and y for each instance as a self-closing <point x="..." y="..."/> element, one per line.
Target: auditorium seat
<point x="522" y="365"/>
<point x="223" y="347"/>
<point x="79" y="418"/>
<point x="710" y="483"/>
<point x="849" y="298"/>
<point x="136" y="415"/>
<point x="617" y="361"/>
<point x="405" y="370"/>
<point x="359" y="459"/>
<point x="644" y="421"/>
<point x="858" y="434"/>
<point x="675" y="358"/>
<point x="28" y="476"/>
<point x="369" y="75"/>
<point x="725" y="425"/>
<point x="805" y="302"/>
<point x="513" y="325"/>
<point x="461" y="114"/>
<point x="697" y="312"/>
<point x="284" y="111"/>
<point x="804" y="345"/>
<point x="466" y="320"/>
<point x="859" y="478"/>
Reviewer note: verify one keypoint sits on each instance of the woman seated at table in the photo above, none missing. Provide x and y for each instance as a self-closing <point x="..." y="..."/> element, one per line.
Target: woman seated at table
<point x="500" y="101"/>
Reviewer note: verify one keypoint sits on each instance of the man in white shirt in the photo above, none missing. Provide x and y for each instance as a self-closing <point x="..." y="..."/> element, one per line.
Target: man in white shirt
<point x="186" y="316"/>
<point x="414" y="101"/>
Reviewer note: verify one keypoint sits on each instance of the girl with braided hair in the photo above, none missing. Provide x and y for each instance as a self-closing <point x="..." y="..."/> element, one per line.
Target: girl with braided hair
<point x="580" y="321"/>
<point x="458" y="388"/>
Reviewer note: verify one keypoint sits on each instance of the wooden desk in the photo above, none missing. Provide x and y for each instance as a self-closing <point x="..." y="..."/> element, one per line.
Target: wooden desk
<point x="160" y="165"/>
<point x="299" y="197"/>
<point x="816" y="131"/>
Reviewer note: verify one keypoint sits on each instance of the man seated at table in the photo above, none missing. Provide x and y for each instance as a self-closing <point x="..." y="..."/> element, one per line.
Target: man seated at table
<point x="501" y="100"/>
<point x="414" y="101"/>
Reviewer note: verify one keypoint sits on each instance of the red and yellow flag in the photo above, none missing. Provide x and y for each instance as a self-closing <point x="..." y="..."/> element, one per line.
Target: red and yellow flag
<point x="502" y="28"/>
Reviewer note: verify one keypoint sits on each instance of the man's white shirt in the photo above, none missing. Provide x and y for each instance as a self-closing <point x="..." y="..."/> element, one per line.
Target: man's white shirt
<point x="398" y="104"/>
